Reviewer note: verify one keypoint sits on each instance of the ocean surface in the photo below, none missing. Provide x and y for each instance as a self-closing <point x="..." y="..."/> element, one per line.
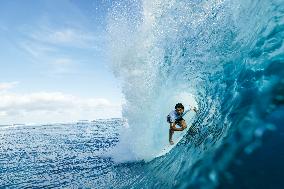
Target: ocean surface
<point x="56" y="155"/>
<point x="225" y="57"/>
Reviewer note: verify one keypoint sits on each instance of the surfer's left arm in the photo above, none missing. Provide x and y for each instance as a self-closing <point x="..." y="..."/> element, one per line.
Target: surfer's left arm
<point x="173" y="127"/>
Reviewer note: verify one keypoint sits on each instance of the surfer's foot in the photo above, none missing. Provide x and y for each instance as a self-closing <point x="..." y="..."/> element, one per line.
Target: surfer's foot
<point x="171" y="142"/>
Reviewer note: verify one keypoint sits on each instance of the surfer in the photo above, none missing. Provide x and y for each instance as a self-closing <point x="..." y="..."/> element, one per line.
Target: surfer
<point x="175" y="118"/>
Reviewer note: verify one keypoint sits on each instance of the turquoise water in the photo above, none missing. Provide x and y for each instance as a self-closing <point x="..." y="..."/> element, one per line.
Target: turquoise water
<point x="230" y="56"/>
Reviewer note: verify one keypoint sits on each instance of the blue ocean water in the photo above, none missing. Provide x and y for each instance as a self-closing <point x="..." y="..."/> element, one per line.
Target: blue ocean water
<point x="56" y="155"/>
<point x="225" y="56"/>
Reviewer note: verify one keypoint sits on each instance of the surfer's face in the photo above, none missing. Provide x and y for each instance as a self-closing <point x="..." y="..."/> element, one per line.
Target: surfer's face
<point x="179" y="111"/>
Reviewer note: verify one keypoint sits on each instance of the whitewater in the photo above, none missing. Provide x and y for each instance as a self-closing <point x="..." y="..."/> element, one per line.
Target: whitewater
<point x="225" y="57"/>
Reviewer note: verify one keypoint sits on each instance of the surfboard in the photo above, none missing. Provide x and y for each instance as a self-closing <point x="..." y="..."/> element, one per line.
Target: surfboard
<point x="176" y="140"/>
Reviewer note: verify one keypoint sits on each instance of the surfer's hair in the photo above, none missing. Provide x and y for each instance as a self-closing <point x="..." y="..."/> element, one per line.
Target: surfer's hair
<point x="179" y="105"/>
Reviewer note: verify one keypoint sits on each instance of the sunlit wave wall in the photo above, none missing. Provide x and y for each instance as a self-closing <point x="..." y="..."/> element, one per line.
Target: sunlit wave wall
<point x="226" y="56"/>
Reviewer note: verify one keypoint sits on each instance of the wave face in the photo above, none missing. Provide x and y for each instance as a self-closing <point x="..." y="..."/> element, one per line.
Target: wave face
<point x="228" y="55"/>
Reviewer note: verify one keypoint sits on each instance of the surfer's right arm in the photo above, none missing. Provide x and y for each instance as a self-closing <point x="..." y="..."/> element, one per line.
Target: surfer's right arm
<point x="186" y="111"/>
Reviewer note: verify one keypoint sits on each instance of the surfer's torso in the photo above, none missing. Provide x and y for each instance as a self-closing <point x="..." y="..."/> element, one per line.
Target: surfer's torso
<point x="174" y="116"/>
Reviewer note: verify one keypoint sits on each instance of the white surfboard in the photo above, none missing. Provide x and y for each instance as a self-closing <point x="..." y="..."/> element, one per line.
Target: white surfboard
<point x="168" y="147"/>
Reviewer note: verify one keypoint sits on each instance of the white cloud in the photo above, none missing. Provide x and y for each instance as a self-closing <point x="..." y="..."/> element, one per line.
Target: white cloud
<point x="63" y="36"/>
<point x="7" y="85"/>
<point x="54" y="47"/>
<point x="43" y="107"/>
<point x="50" y="57"/>
<point x="36" y="49"/>
<point x="71" y="37"/>
<point x="3" y="113"/>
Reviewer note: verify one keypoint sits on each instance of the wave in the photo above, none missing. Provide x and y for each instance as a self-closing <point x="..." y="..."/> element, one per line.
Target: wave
<point x="227" y="55"/>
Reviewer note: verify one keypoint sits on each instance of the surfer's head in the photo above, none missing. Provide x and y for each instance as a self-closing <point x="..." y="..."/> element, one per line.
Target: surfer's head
<point x="179" y="108"/>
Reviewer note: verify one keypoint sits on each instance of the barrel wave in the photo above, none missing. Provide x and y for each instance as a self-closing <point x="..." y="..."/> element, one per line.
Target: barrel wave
<point x="227" y="55"/>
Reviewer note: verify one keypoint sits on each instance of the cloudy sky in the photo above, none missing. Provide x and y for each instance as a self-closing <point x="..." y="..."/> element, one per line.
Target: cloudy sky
<point x="54" y="62"/>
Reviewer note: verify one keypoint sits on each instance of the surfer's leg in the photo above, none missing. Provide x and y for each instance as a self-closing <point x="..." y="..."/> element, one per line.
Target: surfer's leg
<point x="183" y="124"/>
<point x="176" y="129"/>
<point x="171" y="132"/>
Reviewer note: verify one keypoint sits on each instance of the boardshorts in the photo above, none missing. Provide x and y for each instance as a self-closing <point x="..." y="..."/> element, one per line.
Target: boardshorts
<point x="177" y="121"/>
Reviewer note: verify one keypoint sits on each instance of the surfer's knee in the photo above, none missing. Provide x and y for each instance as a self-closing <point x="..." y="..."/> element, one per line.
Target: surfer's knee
<point x="184" y="126"/>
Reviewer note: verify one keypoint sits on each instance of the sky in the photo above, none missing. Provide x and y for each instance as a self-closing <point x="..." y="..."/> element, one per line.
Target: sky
<point x="55" y="63"/>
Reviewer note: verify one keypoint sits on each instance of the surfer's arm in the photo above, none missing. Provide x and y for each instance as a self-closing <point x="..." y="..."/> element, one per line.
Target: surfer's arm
<point x="186" y="111"/>
<point x="173" y="127"/>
